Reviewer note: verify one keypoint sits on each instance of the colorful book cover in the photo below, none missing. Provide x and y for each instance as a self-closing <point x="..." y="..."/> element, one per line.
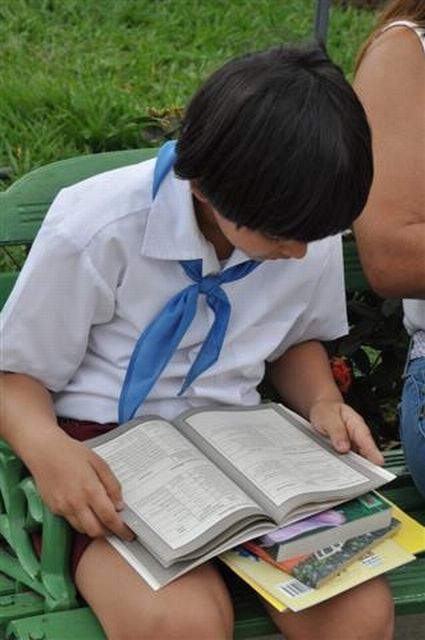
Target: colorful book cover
<point x="316" y="568"/>
<point x="282" y="589"/>
<point x="366" y="513"/>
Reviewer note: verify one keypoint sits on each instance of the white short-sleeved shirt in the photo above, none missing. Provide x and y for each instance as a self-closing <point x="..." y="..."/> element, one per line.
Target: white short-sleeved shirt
<point x="104" y="264"/>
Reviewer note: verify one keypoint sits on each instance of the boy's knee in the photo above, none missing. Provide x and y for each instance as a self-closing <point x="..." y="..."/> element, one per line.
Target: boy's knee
<point x="363" y="613"/>
<point x="207" y="620"/>
<point x="383" y="612"/>
<point x="372" y="611"/>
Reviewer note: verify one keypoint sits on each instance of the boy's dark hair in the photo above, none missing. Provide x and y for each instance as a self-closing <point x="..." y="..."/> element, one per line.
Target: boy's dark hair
<point x="278" y="142"/>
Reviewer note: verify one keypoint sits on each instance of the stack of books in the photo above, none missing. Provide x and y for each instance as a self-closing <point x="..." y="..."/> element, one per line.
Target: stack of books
<point x="302" y="564"/>
<point x="315" y="549"/>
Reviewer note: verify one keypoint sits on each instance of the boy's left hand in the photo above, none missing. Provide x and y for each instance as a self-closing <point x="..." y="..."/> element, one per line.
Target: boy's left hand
<point x="345" y="428"/>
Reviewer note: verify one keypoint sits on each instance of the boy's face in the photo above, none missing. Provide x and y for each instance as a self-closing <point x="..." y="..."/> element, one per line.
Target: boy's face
<point x="254" y="244"/>
<point x="257" y="245"/>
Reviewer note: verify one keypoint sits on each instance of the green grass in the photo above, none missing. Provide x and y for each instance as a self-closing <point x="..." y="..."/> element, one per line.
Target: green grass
<point x="80" y="76"/>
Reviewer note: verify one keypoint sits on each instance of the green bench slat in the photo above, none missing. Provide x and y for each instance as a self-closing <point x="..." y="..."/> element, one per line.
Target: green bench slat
<point x="408" y="587"/>
<point x="75" y="624"/>
<point x="419" y="515"/>
<point x="7" y="585"/>
<point x="19" y="605"/>
<point x="406" y="497"/>
<point x="24" y="205"/>
<point x="395" y="462"/>
<point x="251" y="619"/>
<point x="354" y="276"/>
<point x="7" y="280"/>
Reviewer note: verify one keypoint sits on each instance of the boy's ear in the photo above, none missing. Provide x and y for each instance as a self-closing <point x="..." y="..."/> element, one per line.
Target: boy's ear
<point x="194" y="187"/>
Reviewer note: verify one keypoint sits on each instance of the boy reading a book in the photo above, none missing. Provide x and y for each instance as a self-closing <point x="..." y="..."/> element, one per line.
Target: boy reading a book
<point x="176" y="283"/>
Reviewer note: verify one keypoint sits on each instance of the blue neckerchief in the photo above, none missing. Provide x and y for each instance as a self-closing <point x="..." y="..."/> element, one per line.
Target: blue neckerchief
<point x="161" y="338"/>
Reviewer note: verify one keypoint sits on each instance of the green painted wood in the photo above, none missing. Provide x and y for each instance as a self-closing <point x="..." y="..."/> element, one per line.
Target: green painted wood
<point x="395" y="462"/>
<point x="75" y="624"/>
<point x="34" y="503"/>
<point x="19" y="605"/>
<point x="6" y="585"/>
<point x="355" y="280"/>
<point x="407" y="497"/>
<point x="408" y="587"/>
<point x="7" y="281"/>
<point x="24" y="205"/>
<point x="54" y="563"/>
<point x="251" y="619"/>
<point x="10" y="566"/>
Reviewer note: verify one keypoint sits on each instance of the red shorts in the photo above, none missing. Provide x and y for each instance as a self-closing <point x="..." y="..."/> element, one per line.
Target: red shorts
<point x="80" y="430"/>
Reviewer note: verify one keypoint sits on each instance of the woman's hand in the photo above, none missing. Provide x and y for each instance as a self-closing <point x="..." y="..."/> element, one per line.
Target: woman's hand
<point x="77" y="484"/>
<point x="345" y="428"/>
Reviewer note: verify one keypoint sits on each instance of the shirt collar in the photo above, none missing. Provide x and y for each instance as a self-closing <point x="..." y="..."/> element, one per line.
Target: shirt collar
<point x="172" y="232"/>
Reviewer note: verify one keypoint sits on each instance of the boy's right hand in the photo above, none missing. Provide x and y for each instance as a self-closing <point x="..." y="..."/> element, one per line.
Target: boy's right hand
<point x="77" y="484"/>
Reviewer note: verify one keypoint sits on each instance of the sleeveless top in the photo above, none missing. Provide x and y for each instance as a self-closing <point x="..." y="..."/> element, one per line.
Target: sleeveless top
<point x="414" y="310"/>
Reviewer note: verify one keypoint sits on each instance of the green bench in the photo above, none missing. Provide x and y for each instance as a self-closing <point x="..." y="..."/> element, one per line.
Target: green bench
<point x="37" y="597"/>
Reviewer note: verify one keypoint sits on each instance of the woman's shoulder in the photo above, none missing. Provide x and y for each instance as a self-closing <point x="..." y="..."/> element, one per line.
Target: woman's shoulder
<point x="394" y="61"/>
<point x="398" y="41"/>
<point x="398" y="27"/>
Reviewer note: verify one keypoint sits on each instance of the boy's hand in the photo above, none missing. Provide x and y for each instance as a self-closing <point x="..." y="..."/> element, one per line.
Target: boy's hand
<point x="77" y="484"/>
<point x="345" y="428"/>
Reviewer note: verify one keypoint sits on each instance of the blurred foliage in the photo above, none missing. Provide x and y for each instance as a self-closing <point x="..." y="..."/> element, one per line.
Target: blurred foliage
<point x="375" y="352"/>
<point x="368" y="363"/>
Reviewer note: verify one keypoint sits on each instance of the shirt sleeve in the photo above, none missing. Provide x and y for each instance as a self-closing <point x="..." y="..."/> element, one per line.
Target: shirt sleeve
<point x="45" y="324"/>
<point x="324" y="316"/>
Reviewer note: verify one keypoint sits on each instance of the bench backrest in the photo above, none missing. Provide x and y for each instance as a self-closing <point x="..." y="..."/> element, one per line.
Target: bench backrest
<point x="24" y="205"/>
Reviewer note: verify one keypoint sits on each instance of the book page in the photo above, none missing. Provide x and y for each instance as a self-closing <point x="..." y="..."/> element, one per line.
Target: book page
<point x="170" y="485"/>
<point x="153" y="572"/>
<point x="281" y="459"/>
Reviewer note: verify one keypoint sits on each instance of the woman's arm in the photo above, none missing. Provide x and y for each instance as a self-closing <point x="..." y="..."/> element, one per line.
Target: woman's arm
<point x="72" y="479"/>
<point x="303" y="377"/>
<point x="390" y="233"/>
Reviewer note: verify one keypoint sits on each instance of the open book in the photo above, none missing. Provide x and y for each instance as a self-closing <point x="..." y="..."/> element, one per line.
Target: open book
<point x="216" y="477"/>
